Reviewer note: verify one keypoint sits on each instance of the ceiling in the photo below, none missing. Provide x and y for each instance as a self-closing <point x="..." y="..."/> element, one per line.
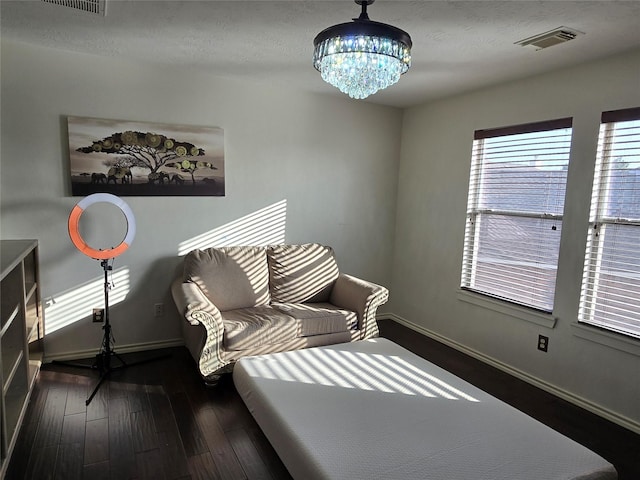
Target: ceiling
<point x="457" y="45"/>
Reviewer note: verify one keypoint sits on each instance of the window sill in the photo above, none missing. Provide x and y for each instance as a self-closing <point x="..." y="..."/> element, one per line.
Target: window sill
<point x="609" y="339"/>
<point x="522" y="313"/>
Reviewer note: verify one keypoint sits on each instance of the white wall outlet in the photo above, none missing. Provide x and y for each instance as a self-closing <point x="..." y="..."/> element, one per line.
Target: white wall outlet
<point x="158" y="309"/>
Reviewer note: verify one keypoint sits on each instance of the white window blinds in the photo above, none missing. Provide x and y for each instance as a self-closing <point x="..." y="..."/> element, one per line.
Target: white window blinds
<point x="514" y="213"/>
<point x="610" y="296"/>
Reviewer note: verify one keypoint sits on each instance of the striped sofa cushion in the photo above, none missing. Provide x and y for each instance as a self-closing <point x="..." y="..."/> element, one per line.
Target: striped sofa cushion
<point x="301" y="273"/>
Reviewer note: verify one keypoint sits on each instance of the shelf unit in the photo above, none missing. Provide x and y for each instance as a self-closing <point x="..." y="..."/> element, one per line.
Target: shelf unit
<point x="21" y="337"/>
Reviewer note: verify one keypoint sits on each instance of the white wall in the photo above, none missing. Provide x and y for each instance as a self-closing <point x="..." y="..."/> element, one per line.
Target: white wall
<point x="434" y="174"/>
<point x="334" y="162"/>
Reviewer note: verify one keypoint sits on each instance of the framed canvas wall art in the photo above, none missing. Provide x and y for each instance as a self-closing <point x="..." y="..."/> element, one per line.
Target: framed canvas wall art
<point x="128" y="158"/>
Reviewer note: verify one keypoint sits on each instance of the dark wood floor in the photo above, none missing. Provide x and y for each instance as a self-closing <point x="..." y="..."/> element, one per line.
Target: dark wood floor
<point x="155" y="420"/>
<point x="158" y="421"/>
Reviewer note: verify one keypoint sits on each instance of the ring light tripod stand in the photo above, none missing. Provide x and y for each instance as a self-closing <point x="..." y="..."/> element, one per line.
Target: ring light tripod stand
<point x="104" y="357"/>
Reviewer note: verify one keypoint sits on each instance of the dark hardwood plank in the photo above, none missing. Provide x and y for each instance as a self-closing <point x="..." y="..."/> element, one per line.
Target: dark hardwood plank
<point x="201" y="467"/>
<point x="248" y="455"/>
<point x="70" y="459"/>
<point x="73" y="429"/>
<point x="143" y="431"/>
<point x="37" y="400"/>
<point x="50" y="424"/>
<point x="24" y="443"/>
<point x="191" y="434"/>
<point x="228" y="406"/>
<point x="174" y="460"/>
<point x="96" y="471"/>
<point x="69" y="462"/>
<point x="122" y="457"/>
<point x="42" y="463"/>
<point x="96" y="445"/>
<point x="117" y="389"/>
<point x="219" y="446"/>
<point x="137" y="397"/>
<point x="77" y="393"/>
<point x="161" y="409"/>
<point x="150" y="466"/>
<point x="119" y="407"/>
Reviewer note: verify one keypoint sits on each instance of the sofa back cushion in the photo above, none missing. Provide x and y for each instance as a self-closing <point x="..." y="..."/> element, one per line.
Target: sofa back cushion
<point x="301" y="273"/>
<point x="231" y="277"/>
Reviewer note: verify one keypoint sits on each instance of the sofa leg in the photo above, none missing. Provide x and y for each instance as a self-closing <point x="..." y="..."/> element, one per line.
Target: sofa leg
<point x="212" y="380"/>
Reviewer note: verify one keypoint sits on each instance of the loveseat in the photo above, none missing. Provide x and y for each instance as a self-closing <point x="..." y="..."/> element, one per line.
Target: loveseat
<point x="246" y="300"/>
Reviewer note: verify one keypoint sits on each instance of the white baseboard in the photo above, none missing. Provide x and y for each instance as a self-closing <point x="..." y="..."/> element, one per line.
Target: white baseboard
<point x="548" y="387"/>
<point x="121" y="349"/>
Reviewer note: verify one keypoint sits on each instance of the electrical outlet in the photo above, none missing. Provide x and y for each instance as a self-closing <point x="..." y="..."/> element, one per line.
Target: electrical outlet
<point x="98" y="315"/>
<point x="543" y="343"/>
<point x="158" y="309"/>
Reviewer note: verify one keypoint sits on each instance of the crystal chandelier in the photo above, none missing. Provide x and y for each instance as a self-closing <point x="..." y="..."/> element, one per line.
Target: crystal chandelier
<point x="362" y="57"/>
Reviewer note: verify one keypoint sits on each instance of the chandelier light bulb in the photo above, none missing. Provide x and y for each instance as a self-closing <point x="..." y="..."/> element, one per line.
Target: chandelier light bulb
<point x="362" y="57"/>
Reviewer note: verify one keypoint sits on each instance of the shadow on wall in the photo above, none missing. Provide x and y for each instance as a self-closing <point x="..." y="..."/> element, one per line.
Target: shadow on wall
<point x="263" y="227"/>
<point x="77" y="303"/>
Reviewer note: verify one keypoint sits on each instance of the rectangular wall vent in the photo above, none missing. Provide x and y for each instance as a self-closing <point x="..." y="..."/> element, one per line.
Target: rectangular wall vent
<point x="97" y="7"/>
<point x="550" y="38"/>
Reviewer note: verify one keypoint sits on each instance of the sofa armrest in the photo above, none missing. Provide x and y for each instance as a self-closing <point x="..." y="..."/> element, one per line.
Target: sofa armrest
<point x="196" y="309"/>
<point x="362" y="297"/>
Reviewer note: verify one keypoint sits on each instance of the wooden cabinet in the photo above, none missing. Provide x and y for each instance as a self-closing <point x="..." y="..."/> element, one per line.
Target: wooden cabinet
<point x="21" y="336"/>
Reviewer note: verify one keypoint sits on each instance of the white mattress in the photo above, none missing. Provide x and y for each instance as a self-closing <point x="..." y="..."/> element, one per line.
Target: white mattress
<point x="373" y="410"/>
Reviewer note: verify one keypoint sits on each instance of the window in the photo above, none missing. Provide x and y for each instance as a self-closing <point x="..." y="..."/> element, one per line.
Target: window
<point x="610" y="296"/>
<point x="514" y="212"/>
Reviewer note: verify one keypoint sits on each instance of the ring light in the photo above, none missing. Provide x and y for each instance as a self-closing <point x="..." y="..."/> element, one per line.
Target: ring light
<point x="74" y="222"/>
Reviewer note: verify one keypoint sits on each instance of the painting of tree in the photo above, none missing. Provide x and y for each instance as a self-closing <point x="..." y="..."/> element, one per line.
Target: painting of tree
<point x="134" y="158"/>
<point x="190" y="167"/>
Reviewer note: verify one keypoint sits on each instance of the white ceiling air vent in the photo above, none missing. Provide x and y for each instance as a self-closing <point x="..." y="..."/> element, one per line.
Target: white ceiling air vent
<point x="550" y="38"/>
<point x="98" y="7"/>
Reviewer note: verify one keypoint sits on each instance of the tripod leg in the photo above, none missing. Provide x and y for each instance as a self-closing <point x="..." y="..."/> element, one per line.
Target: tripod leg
<point x="95" y="390"/>
<point x="120" y="359"/>
<point x="138" y="362"/>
